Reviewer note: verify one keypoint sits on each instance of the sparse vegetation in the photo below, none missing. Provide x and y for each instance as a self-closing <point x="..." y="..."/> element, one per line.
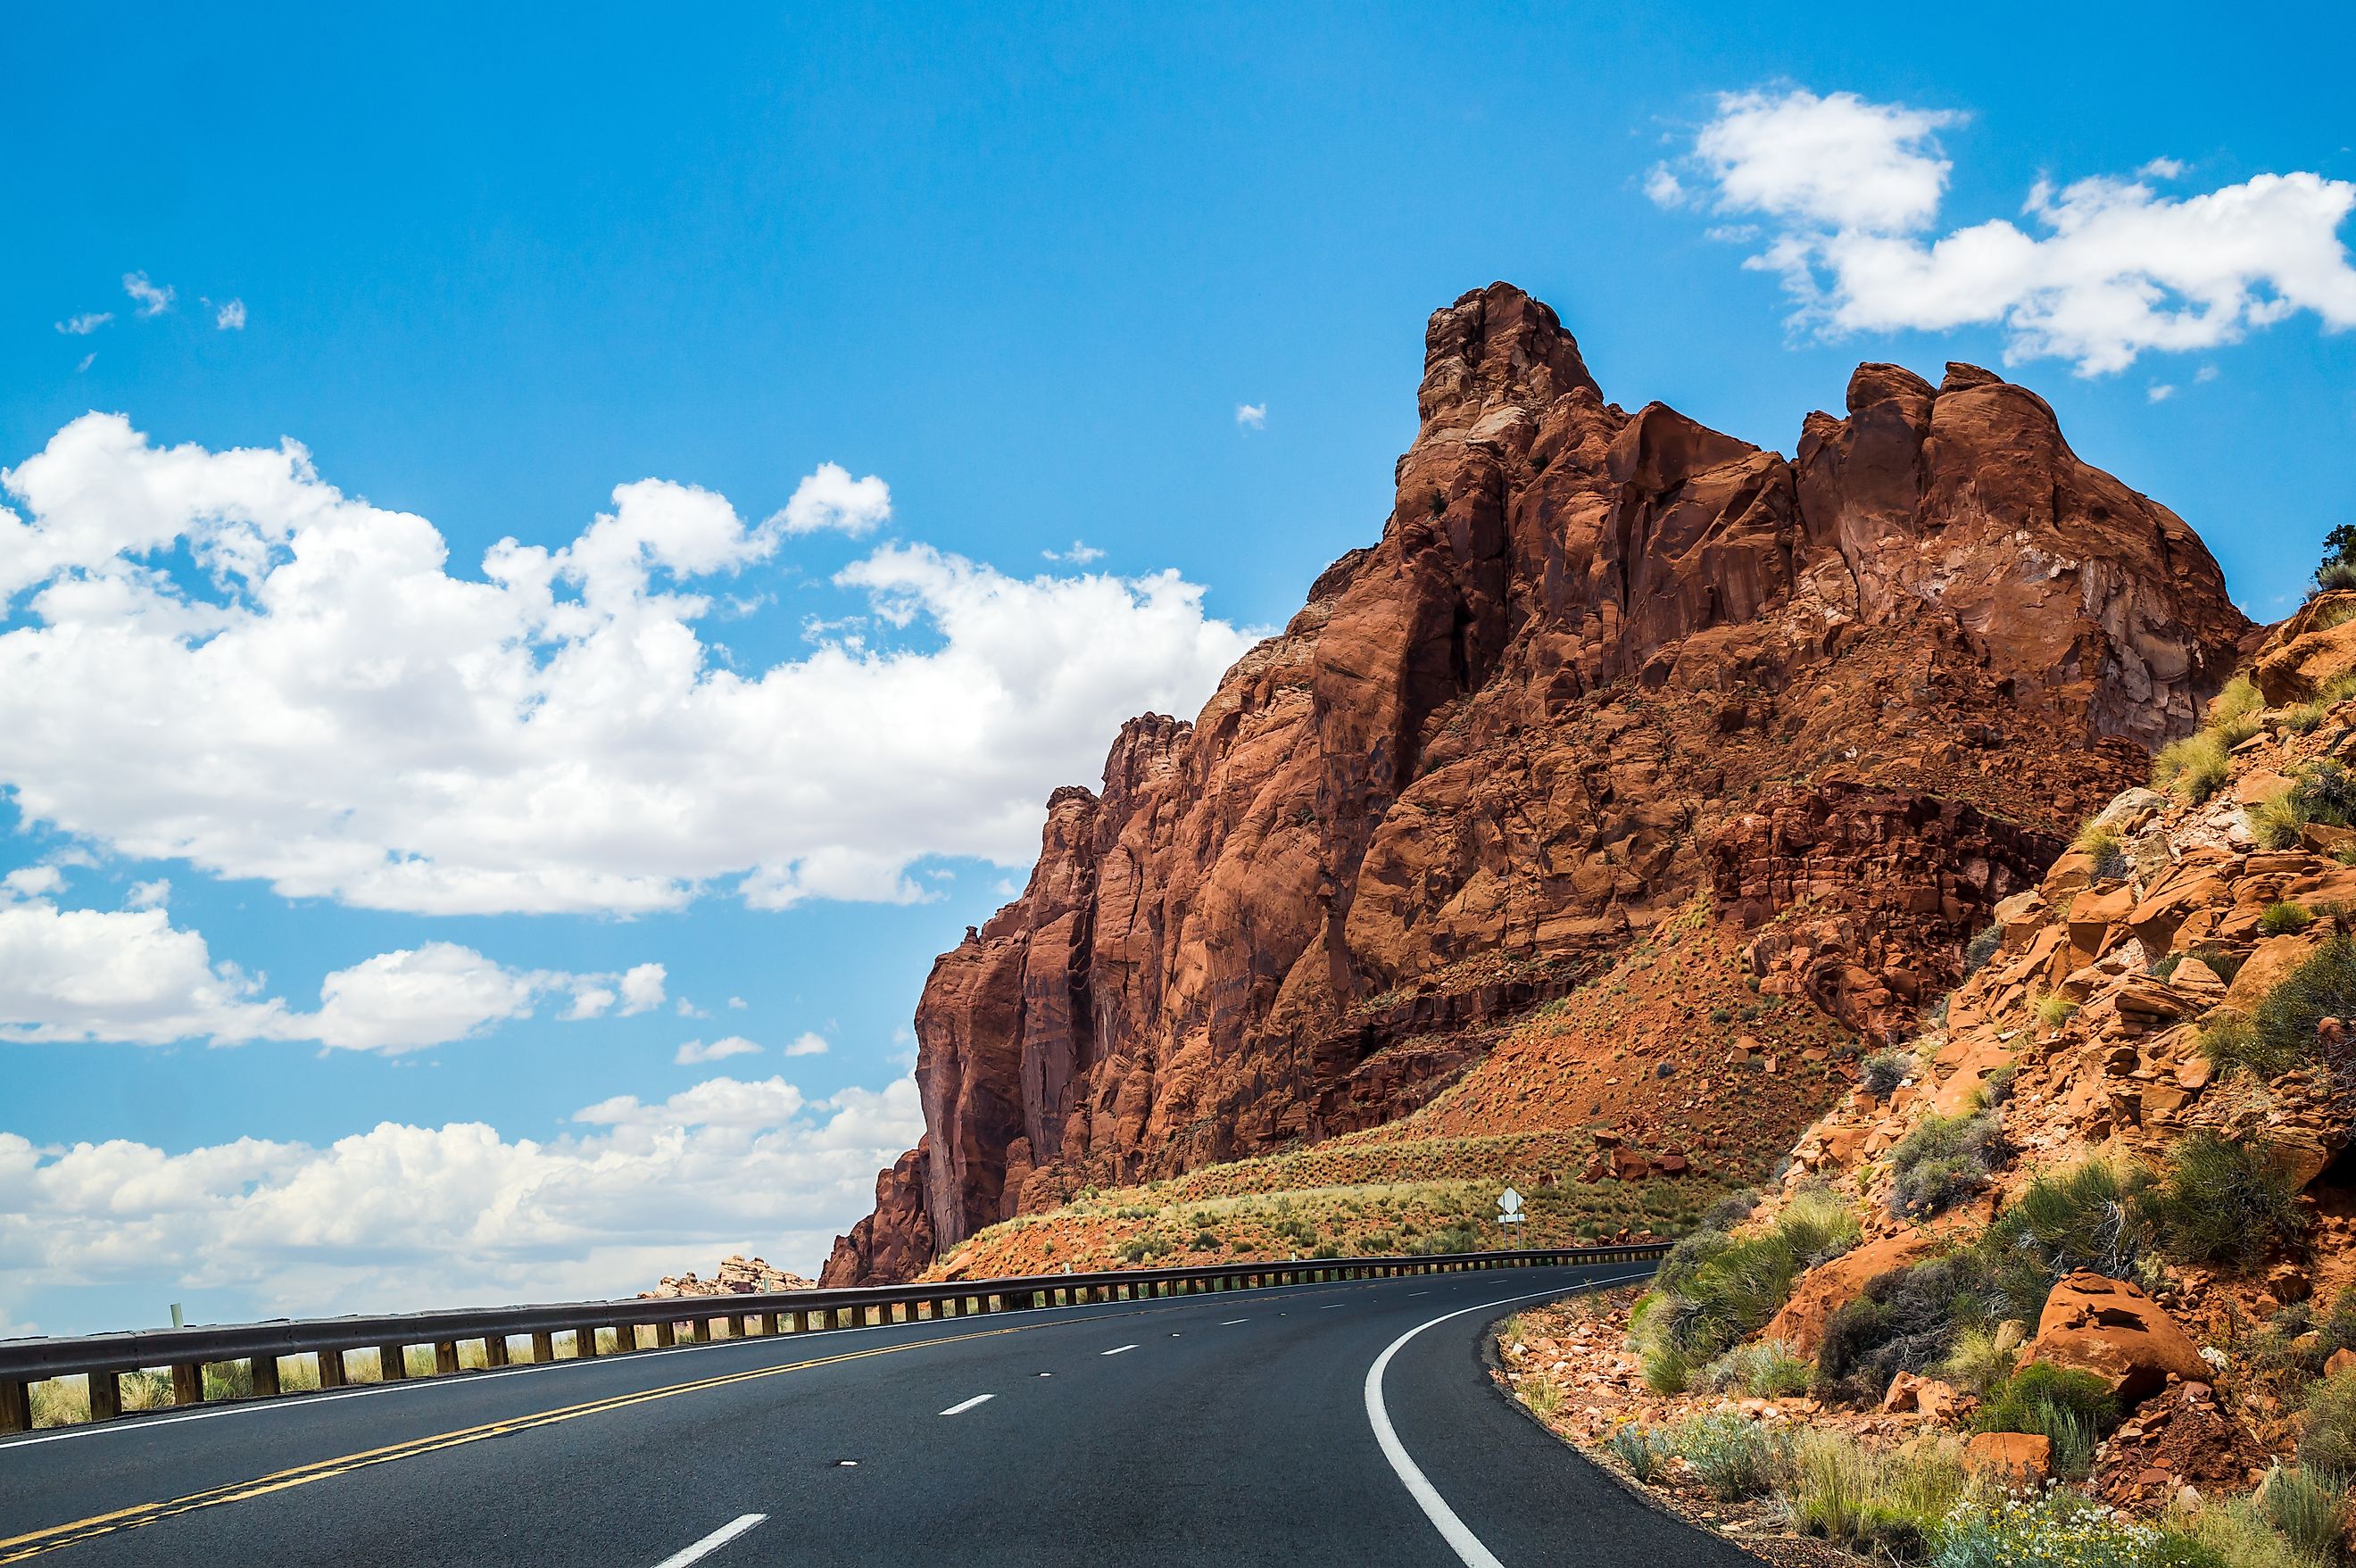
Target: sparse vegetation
<point x="1982" y="948"/>
<point x="2102" y="843"/>
<point x="2067" y="1407"/>
<point x="1942" y="1161"/>
<point x="1983" y="1356"/>
<point x="2308" y="1510"/>
<point x="2223" y="1201"/>
<point x="2284" y="919"/>
<point x="1881" y="1074"/>
<point x="1884" y="1504"/>
<point x="2197" y="767"/>
<point x="1714" y="1289"/>
<point x="1636" y="1447"/>
<point x="2326" y="1439"/>
<point x="1728" y="1451"/>
<point x="1763" y="1369"/>
<point x="2053" y="1009"/>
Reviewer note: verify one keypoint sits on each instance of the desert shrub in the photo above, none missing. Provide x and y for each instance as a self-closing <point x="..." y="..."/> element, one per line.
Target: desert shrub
<point x="2335" y="572"/>
<point x="1766" y="1371"/>
<point x="2067" y="1407"/>
<point x="2284" y="919"/>
<point x="2283" y="1024"/>
<point x="2305" y="718"/>
<point x="1903" y="1321"/>
<point x="2103" y="843"/>
<point x="1984" y="1357"/>
<point x="2308" y="1510"/>
<point x="2194" y="768"/>
<point x="1942" y="1161"/>
<point x="2239" y="702"/>
<point x="1637" y="1449"/>
<point x="2322" y="791"/>
<point x="1713" y="1290"/>
<point x="1731" y="1210"/>
<point x="1886" y="1505"/>
<point x="1667" y="1371"/>
<point x="1728" y="1451"/>
<point x="1541" y="1395"/>
<point x="1980" y="949"/>
<point x="1880" y="1073"/>
<point x="2326" y="1442"/>
<point x="2237" y="1530"/>
<point x="2223" y="962"/>
<point x="2222" y="1201"/>
<point x="2088" y="1217"/>
<point x="2338" y="1325"/>
<point x="2053" y="1009"/>
<point x="2061" y="1529"/>
<point x="1998" y="1087"/>
<point x="2231" y="1039"/>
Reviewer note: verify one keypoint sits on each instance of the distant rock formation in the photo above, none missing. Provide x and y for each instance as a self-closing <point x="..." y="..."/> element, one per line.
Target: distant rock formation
<point x="1599" y="664"/>
<point x="737" y="1275"/>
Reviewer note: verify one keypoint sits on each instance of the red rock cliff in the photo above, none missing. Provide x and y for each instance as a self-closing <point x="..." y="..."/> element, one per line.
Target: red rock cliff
<point x="1598" y="662"/>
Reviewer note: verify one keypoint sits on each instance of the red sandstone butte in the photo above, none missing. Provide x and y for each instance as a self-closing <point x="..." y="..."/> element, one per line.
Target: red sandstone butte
<point x="1598" y="662"/>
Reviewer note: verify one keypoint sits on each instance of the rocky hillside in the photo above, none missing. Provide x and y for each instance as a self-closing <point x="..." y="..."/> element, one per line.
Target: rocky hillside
<point x="2096" y="1222"/>
<point x="1601" y="668"/>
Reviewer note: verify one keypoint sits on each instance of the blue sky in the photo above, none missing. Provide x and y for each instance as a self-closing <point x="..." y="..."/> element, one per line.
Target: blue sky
<point x="1023" y="267"/>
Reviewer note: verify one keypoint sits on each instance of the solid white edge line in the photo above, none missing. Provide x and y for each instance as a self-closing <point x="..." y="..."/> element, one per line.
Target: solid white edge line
<point x="712" y="1543"/>
<point x="964" y="1406"/>
<point x="1453" y="1529"/>
<point x="1117" y="1352"/>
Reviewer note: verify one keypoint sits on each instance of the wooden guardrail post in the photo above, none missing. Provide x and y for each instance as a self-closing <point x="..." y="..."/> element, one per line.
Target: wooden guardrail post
<point x="264" y="1375"/>
<point x="189" y="1383"/>
<point x="666" y="1335"/>
<point x="392" y="1363"/>
<point x="446" y="1358"/>
<point x="15" y="1405"/>
<point x="584" y="1343"/>
<point x="105" y="1395"/>
<point x="331" y="1369"/>
<point x="543" y="1347"/>
<point x="495" y="1350"/>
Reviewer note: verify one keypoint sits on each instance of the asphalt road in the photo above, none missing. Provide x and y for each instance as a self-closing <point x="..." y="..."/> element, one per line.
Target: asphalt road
<point x="1348" y="1425"/>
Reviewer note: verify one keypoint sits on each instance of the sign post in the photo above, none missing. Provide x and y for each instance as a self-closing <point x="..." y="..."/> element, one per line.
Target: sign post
<point x="1509" y="1212"/>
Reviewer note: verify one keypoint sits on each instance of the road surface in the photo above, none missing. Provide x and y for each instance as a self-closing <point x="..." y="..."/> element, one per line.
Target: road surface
<point x="1349" y="1424"/>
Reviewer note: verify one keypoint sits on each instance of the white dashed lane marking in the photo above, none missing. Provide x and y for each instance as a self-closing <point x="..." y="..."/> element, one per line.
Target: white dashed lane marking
<point x="967" y="1405"/>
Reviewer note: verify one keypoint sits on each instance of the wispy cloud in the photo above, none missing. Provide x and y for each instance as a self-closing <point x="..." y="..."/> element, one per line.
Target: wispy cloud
<point x="1251" y="415"/>
<point x="88" y="322"/>
<point x="230" y="317"/>
<point x="153" y="299"/>
<point x="1080" y="554"/>
<point x="694" y="1053"/>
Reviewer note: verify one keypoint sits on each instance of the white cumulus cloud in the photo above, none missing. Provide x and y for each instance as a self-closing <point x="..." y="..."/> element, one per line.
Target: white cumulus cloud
<point x="230" y="317"/>
<point x="1251" y="415"/>
<point x="806" y="1044"/>
<point x="402" y="1218"/>
<point x="2108" y="269"/>
<point x="830" y="498"/>
<point x="129" y="976"/>
<point x="325" y="705"/>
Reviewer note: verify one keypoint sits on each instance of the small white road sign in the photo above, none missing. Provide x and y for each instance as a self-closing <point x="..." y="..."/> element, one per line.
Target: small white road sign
<point x="1509" y="1207"/>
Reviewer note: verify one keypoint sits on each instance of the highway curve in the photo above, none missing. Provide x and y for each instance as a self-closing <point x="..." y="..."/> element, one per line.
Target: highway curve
<point x="1237" y="1428"/>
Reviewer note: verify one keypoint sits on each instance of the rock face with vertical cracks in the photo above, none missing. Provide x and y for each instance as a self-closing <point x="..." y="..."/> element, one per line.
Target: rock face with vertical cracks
<point x="1599" y="665"/>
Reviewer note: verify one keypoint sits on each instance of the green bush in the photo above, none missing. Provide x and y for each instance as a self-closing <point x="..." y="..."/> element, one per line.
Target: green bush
<point x="1886" y="1505"/>
<point x="2282" y="1027"/>
<point x="1714" y="1291"/>
<point x="1728" y="1451"/>
<point x="1983" y="1358"/>
<point x="2088" y="1217"/>
<point x="1942" y="1161"/>
<point x="2195" y="767"/>
<point x="2231" y="1039"/>
<point x="2307" y="1509"/>
<point x="2222" y="1202"/>
<point x="1766" y="1371"/>
<point x="2067" y="1407"/>
<point x="2326" y="1442"/>
<point x="2284" y="918"/>
<point x="1637" y="1449"/>
<point x="1880" y="1073"/>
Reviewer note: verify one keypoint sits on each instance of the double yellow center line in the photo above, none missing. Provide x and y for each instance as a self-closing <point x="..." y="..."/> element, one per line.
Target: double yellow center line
<point x="17" y="1548"/>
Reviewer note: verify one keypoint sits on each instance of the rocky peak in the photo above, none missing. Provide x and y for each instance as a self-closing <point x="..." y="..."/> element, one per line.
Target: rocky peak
<point x="1496" y="344"/>
<point x="1598" y="668"/>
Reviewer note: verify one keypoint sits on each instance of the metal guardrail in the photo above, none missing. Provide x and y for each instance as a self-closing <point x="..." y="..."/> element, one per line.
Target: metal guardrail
<point x="104" y="1357"/>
